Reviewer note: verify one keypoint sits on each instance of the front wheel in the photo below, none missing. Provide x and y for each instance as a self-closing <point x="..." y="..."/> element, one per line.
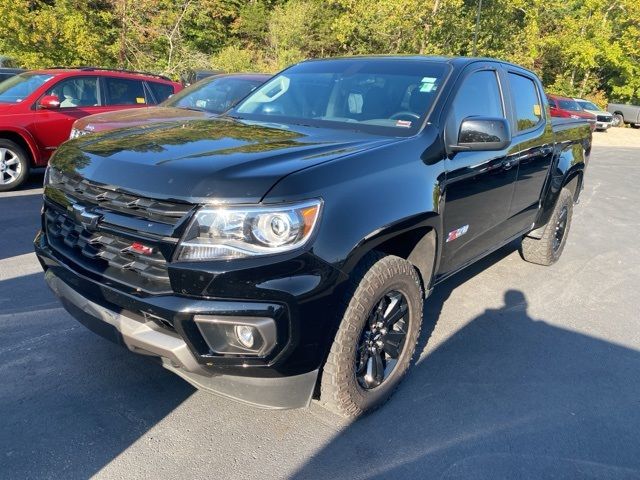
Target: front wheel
<point x="547" y="249"/>
<point x="376" y="339"/>
<point x="14" y="165"/>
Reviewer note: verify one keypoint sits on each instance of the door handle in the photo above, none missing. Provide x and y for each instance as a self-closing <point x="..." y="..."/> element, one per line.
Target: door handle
<point x="546" y="150"/>
<point x="507" y="165"/>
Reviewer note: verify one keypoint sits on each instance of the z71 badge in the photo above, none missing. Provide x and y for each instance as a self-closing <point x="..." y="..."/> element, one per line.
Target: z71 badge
<point x="457" y="233"/>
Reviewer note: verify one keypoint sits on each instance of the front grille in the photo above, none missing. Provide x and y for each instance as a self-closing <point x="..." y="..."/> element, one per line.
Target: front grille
<point x="106" y="255"/>
<point x="93" y="229"/>
<point x="85" y="192"/>
<point x="604" y="118"/>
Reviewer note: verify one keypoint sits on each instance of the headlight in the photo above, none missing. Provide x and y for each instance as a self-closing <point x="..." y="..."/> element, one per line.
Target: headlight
<point x="75" y="133"/>
<point x="224" y="233"/>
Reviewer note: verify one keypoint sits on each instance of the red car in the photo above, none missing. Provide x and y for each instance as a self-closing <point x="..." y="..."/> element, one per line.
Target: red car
<point x="565" y="107"/>
<point x="209" y="97"/>
<point x="38" y="108"/>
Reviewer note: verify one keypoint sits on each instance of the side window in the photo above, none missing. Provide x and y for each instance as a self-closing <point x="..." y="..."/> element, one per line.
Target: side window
<point x="479" y="95"/>
<point x="161" y="91"/>
<point x="76" y="92"/>
<point x="124" y="91"/>
<point x="528" y="108"/>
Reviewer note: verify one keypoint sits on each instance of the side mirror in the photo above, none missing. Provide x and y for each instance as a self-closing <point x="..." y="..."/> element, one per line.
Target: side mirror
<point x="49" y="102"/>
<point x="483" y="134"/>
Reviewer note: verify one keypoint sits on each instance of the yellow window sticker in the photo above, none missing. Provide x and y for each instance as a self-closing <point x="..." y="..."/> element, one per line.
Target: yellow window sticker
<point x="140" y="100"/>
<point x="537" y="111"/>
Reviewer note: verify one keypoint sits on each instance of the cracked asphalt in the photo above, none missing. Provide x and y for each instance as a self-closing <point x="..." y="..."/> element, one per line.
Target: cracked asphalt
<point x="525" y="372"/>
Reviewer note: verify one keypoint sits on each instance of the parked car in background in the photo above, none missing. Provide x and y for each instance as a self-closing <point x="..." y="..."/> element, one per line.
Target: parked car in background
<point x="8" y="62"/>
<point x="624" y="113"/>
<point x="195" y="76"/>
<point x="565" y="107"/>
<point x="38" y="108"/>
<point x="9" y="72"/>
<point x="604" y="119"/>
<point x="210" y="96"/>
<point x="285" y="249"/>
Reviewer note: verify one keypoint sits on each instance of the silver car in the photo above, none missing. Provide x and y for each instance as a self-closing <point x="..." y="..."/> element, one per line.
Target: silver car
<point x="604" y="120"/>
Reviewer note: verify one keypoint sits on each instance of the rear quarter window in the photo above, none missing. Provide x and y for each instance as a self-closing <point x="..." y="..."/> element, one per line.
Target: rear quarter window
<point x="528" y="107"/>
<point x="161" y="91"/>
<point x="124" y="91"/>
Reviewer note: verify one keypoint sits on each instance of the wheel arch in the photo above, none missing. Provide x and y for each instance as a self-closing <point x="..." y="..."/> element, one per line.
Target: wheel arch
<point x="24" y="140"/>
<point x="414" y="240"/>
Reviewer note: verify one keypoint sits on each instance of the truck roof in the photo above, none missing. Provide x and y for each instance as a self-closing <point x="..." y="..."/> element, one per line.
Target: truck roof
<point x="456" y="61"/>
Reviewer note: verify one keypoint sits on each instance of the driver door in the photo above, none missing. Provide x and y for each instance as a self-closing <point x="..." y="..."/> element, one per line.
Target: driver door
<point x="479" y="185"/>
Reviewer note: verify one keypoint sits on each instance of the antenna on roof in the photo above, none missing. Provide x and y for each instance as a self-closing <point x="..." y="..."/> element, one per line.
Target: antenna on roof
<point x="475" y="34"/>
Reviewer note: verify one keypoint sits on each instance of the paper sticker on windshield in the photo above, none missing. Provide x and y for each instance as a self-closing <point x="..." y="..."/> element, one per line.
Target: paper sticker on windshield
<point x="140" y="100"/>
<point x="403" y="123"/>
<point x="537" y="111"/>
<point x="427" y="84"/>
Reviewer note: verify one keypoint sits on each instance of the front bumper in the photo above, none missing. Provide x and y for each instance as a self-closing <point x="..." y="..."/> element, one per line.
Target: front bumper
<point x="603" y="125"/>
<point x="147" y="338"/>
<point x="284" y="379"/>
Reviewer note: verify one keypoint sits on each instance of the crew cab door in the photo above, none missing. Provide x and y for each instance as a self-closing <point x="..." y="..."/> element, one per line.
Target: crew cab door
<point x="479" y="184"/>
<point x="79" y="97"/>
<point x="531" y="149"/>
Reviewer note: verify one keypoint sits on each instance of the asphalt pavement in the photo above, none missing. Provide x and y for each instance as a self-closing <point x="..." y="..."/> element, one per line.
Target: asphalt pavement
<point x="526" y="372"/>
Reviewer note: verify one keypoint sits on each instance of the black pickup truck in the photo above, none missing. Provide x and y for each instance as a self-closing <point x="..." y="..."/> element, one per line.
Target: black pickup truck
<point x="284" y="251"/>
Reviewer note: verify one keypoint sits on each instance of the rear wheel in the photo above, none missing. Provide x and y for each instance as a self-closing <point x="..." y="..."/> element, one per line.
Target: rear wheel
<point x="14" y="165"/>
<point x="618" y="120"/>
<point x="376" y="339"/>
<point x="547" y="249"/>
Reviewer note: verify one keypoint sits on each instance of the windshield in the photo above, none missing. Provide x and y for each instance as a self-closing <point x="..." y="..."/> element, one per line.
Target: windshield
<point x="571" y="105"/>
<point x="382" y="96"/>
<point x="587" y="105"/>
<point x="16" y="89"/>
<point x="214" y="94"/>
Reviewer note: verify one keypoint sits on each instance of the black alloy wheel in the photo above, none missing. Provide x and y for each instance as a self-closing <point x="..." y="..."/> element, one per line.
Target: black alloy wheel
<point x="382" y="340"/>
<point x="561" y="226"/>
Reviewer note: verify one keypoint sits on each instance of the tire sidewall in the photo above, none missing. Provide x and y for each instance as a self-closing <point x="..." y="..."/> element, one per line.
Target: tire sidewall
<point x="22" y="158"/>
<point x="367" y="300"/>
<point x="565" y="200"/>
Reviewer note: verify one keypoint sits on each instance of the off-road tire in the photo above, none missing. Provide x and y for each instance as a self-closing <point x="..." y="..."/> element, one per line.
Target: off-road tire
<point x="376" y="275"/>
<point x="542" y="250"/>
<point x="22" y="157"/>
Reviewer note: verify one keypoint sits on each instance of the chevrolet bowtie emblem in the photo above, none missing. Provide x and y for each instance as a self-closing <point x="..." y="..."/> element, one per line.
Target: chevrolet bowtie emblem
<point x="87" y="219"/>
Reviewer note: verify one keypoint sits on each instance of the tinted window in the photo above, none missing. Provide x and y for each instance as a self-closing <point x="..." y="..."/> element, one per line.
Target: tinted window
<point x="16" y="89"/>
<point x="378" y="96"/>
<point x="76" y="92"/>
<point x="123" y="91"/>
<point x="527" y="103"/>
<point x="161" y="91"/>
<point x="479" y="95"/>
<point x="214" y="95"/>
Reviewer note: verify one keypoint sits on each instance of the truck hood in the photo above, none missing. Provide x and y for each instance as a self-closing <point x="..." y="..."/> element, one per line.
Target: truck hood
<point x="134" y="117"/>
<point x="598" y="112"/>
<point x="206" y="161"/>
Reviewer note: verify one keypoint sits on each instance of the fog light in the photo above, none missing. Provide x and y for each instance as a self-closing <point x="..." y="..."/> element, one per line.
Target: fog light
<point x="245" y="335"/>
<point x="231" y="335"/>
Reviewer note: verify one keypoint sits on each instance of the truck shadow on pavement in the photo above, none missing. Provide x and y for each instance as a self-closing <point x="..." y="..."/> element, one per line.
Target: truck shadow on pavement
<point x="507" y="396"/>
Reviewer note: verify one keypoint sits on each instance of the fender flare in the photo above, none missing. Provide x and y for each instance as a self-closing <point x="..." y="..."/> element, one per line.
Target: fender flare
<point x="416" y="239"/>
